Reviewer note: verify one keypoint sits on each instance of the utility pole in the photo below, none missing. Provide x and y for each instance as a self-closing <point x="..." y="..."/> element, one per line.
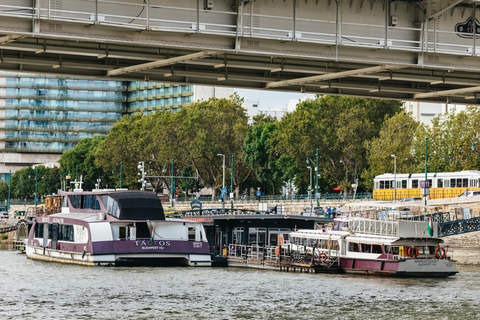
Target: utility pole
<point x="141" y="166"/>
<point x="231" y="187"/>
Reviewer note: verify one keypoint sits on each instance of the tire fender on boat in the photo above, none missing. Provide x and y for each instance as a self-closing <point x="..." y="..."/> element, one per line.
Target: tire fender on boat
<point x="413" y="252"/>
<point x="440" y="253"/>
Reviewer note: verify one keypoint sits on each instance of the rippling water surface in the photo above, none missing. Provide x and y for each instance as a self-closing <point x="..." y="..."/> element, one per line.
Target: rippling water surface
<point x="39" y="290"/>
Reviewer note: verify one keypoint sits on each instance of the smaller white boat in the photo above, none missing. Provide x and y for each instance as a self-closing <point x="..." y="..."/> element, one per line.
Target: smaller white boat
<point x="116" y="227"/>
<point x="358" y="245"/>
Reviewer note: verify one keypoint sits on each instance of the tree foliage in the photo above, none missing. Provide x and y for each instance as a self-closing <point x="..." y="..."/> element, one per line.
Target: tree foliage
<point x="397" y="137"/>
<point x="260" y="155"/>
<point x="337" y="127"/>
<point x="83" y="156"/>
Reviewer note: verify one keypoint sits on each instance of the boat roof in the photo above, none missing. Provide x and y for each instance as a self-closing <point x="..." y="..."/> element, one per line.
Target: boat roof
<point x="138" y="205"/>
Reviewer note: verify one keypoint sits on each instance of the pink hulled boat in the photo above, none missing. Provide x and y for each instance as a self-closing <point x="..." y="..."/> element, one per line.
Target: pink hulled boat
<point x="116" y="227"/>
<point x="358" y="245"/>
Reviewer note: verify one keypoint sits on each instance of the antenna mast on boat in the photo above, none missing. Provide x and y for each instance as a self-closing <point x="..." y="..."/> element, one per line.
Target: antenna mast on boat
<point x="78" y="185"/>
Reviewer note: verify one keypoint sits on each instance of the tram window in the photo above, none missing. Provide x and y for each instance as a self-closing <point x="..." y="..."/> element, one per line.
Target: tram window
<point x="447" y="183"/>
<point x="459" y="183"/>
<point x="414" y="183"/>
<point x="430" y="184"/>
<point x="404" y="184"/>
<point x="376" y="185"/>
<point x="465" y="183"/>
<point x="439" y="183"/>
<point x="382" y="184"/>
<point x="473" y="183"/>
<point x="453" y="184"/>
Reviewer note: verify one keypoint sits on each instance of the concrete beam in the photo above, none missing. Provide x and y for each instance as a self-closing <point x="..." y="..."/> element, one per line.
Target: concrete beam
<point x="330" y="76"/>
<point x="446" y="93"/>
<point x="162" y="63"/>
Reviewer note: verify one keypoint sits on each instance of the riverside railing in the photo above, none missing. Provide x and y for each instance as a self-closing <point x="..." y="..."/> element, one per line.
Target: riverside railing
<point x="282" y="198"/>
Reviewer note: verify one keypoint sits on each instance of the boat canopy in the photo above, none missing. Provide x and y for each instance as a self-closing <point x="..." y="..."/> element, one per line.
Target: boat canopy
<point x="133" y="205"/>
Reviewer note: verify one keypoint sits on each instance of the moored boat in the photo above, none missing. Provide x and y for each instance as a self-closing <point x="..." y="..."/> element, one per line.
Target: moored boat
<point x="358" y="245"/>
<point x="116" y="227"/>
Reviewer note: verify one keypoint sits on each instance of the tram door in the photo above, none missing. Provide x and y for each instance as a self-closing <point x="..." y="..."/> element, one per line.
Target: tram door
<point x="54" y="235"/>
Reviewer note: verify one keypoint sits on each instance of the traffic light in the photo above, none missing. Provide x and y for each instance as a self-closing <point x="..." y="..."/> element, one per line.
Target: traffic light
<point x="141" y="167"/>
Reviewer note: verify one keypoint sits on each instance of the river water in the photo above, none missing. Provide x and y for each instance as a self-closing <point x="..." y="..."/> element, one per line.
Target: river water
<point x="41" y="290"/>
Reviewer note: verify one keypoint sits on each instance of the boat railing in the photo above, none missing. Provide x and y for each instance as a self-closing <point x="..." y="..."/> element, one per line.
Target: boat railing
<point x="252" y="252"/>
<point x="375" y="227"/>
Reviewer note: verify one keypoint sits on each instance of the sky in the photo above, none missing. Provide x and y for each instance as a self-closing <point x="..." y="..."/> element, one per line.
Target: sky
<point x="270" y="99"/>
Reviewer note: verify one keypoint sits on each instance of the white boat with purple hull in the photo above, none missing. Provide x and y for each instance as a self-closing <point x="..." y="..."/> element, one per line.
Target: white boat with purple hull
<point x="116" y="228"/>
<point x="381" y="247"/>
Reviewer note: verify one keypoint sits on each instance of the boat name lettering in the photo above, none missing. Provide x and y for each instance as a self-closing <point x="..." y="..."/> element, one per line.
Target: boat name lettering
<point x="148" y="244"/>
<point x="197" y="244"/>
<point x="425" y="263"/>
<point x="57" y="220"/>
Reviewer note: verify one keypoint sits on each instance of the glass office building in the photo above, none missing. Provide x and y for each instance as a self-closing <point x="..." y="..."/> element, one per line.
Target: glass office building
<point x="42" y="116"/>
<point x="148" y="97"/>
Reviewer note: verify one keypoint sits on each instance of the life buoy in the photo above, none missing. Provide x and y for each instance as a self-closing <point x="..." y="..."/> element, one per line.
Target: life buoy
<point x="277" y="251"/>
<point x="413" y="252"/>
<point x="440" y="253"/>
<point x="280" y="240"/>
<point x="322" y="256"/>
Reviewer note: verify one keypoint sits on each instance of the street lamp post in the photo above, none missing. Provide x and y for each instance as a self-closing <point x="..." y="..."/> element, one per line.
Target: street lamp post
<point x="223" y="180"/>
<point x="426" y="170"/>
<point x="36" y="175"/>
<point x="394" y="177"/>
<point x="310" y="187"/>
<point x="231" y="187"/>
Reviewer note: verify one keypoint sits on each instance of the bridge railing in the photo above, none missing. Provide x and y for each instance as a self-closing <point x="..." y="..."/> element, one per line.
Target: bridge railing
<point x="188" y="18"/>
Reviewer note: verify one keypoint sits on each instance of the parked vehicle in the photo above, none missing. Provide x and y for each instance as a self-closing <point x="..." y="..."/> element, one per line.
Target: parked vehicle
<point x="411" y="199"/>
<point x="19" y="214"/>
<point x="467" y="193"/>
<point x="4" y="214"/>
<point x="171" y="213"/>
<point x="315" y="211"/>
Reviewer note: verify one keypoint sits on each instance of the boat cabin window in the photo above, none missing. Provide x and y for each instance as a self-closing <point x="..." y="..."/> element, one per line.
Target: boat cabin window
<point x="353" y="247"/>
<point x="39" y="230"/>
<point x="84" y="201"/>
<point x="64" y="202"/>
<point x="122" y="233"/>
<point x="371" y="248"/>
<point x="65" y="232"/>
<point x="191" y="233"/>
<point x="392" y="250"/>
<point x="112" y="208"/>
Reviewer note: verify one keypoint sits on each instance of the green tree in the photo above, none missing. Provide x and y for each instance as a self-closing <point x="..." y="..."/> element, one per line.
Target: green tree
<point x="83" y="156"/>
<point x="208" y="128"/>
<point x="397" y="137"/>
<point x="337" y="126"/>
<point x="189" y="186"/>
<point x="260" y="156"/>
<point x="151" y="139"/>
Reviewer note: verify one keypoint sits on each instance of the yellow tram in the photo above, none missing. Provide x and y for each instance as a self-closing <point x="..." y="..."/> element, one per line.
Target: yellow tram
<point x="442" y="184"/>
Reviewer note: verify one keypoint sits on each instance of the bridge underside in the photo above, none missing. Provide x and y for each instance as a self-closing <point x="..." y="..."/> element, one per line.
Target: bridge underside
<point x="406" y="50"/>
